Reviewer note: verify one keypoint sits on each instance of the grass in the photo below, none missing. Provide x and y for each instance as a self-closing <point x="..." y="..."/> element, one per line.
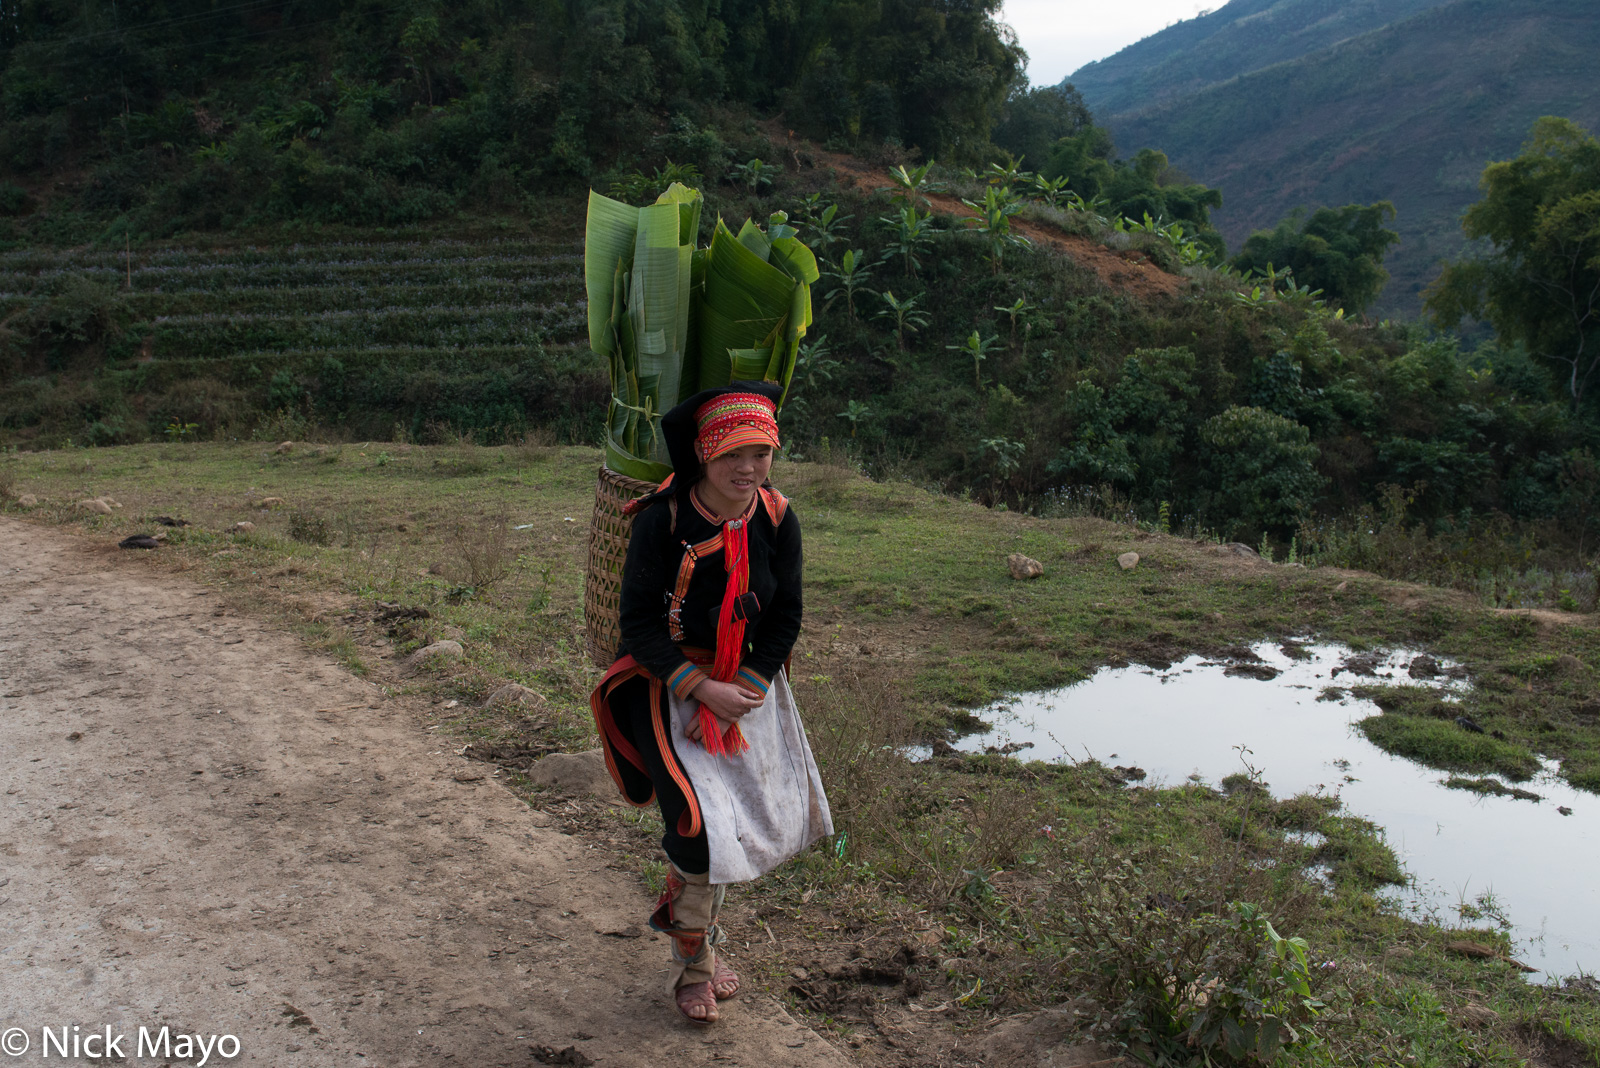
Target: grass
<point x="912" y="618"/>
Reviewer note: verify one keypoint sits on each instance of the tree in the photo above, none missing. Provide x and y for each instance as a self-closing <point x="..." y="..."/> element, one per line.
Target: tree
<point x="1337" y="250"/>
<point x="1540" y="284"/>
<point x="1033" y="120"/>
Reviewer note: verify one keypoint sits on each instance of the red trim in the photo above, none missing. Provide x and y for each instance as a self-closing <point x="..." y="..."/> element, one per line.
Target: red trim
<point x="611" y="737"/>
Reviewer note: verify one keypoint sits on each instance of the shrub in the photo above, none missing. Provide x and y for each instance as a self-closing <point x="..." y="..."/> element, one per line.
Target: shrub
<point x="309" y="527"/>
<point x="1174" y="959"/>
<point x="1259" y="466"/>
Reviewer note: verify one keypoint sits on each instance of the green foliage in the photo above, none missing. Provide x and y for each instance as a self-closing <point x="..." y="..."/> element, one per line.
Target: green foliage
<point x="994" y="222"/>
<point x="1337" y="251"/>
<point x="1540" y="286"/>
<point x="1262" y="471"/>
<point x="1034" y="119"/>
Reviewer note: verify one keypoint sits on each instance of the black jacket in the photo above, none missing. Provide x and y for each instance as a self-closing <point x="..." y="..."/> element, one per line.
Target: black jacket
<point x="650" y="575"/>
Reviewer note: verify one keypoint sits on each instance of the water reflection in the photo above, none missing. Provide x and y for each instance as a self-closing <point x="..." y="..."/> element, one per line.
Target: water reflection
<point x="1541" y="868"/>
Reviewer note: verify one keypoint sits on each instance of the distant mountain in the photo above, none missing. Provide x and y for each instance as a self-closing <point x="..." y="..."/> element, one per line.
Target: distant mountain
<point x="1304" y="103"/>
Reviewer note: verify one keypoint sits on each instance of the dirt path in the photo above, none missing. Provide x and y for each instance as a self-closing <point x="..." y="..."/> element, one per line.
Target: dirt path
<point x="207" y="828"/>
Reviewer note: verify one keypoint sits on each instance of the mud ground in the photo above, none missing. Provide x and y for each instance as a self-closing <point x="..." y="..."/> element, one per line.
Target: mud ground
<point x="207" y="828"/>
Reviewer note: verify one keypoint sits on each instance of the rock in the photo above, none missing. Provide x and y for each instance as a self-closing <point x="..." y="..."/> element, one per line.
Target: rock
<point x="1128" y="561"/>
<point x="284" y="447"/>
<point x="1478" y="1015"/>
<point x="1047" y="1039"/>
<point x="1472" y="949"/>
<point x="511" y="695"/>
<point x="1423" y="667"/>
<point x="435" y="569"/>
<point x="26" y="500"/>
<point x="575" y="774"/>
<point x="245" y="527"/>
<point x="1394" y="953"/>
<point x="1239" y="548"/>
<point x="139" y="541"/>
<point x="443" y="650"/>
<point x="1024" y="567"/>
<point x="1566" y="663"/>
<point x="270" y="502"/>
<point x="94" y="507"/>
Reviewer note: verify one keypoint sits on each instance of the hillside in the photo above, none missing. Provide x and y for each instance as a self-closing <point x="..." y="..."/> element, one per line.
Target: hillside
<point x="1408" y="112"/>
<point x="1244" y="36"/>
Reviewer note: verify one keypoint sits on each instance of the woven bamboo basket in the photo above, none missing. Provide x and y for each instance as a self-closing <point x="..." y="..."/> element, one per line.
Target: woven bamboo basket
<point x="609" y="532"/>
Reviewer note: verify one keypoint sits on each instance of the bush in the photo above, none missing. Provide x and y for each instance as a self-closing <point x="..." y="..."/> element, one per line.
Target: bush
<point x="1259" y="466"/>
<point x="309" y="527"/>
<point x="1173" y="959"/>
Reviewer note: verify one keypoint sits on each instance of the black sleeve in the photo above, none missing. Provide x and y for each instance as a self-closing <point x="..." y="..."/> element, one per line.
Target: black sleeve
<point x="648" y="575"/>
<point x="780" y="621"/>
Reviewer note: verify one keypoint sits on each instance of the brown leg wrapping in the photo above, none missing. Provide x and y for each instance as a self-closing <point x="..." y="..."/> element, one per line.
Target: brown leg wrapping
<point x="687" y="913"/>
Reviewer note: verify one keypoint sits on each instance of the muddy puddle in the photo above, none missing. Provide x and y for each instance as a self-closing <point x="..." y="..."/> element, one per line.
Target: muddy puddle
<point x="1539" y="867"/>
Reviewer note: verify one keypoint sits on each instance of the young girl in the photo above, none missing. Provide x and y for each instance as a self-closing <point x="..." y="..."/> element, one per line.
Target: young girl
<point x="696" y="713"/>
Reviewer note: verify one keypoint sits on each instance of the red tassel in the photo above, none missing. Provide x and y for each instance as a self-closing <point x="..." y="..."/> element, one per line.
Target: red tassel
<point x="734" y="741"/>
<point x="730" y="631"/>
<point x="711" y="732"/>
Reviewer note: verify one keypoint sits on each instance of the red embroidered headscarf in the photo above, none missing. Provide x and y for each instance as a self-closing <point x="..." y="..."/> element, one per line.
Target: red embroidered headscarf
<point x="732" y="420"/>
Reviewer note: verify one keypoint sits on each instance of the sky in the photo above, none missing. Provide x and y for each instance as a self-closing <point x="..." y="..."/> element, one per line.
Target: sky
<point x="1062" y="35"/>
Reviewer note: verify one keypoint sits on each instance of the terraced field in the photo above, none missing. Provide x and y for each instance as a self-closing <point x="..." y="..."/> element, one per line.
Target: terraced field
<point x="482" y="336"/>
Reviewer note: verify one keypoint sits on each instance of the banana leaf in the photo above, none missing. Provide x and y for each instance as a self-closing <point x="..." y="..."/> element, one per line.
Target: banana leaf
<point x="670" y="319"/>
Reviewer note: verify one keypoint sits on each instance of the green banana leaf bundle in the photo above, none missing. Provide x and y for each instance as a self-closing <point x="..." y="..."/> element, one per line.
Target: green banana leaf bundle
<point x="671" y="319"/>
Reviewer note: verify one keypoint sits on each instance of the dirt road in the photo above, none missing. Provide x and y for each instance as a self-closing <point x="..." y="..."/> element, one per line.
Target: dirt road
<point x="208" y="829"/>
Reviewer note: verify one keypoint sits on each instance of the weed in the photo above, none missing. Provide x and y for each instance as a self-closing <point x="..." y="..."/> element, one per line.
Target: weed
<point x="309" y="527"/>
<point x="483" y="549"/>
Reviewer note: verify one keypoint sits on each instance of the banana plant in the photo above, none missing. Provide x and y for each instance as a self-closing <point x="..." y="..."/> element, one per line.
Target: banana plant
<point x="911" y="236"/>
<point x="1010" y="173"/>
<point x="1050" y="190"/>
<point x="670" y="319"/>
<point x="851" y="275"/>
<point x="904" y="314"/>
<point x="977" y="349"/>
<point x="1018" y="310"/>
<point x="909" y="184"/>
<point x="855" y="412"/>
<point x="756" y="175"/>
<point x="994" y="222"/>
<point x="824" y="227"/>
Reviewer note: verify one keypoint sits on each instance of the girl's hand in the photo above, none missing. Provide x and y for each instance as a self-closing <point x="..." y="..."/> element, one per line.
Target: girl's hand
<point x="728" y="701"/>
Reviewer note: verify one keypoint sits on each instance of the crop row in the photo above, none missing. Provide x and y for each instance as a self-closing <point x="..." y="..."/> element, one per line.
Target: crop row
<point x="34" y="261"/>
<point x="214" y="278"/>
<point x="310" y="300"/>
<point x="435" y="327"/>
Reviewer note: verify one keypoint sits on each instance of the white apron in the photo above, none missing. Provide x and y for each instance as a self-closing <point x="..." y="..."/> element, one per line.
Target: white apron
<point x="764" y="805"/>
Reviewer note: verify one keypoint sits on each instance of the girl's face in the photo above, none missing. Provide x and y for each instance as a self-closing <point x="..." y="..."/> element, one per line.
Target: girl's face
<point x="734" y="477"/>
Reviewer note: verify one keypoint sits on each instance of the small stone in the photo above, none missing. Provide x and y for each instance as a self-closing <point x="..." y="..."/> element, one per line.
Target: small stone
<point x="1398" y="953"/>
<point x="435" y="569"/>
<point x="1128" y="561"/>
<point x="1239" y="548"/>
<point x="1024" y="567"/>
<point x="512" y="695"/>
<point x="287" y="446"/>
<point x="26" y="500"/>
<point x="245" y="527"/>
<point x="574" y="774"/>
<point x="270" y="502"/>
<point x="95" y="507"/>
<point x="444" y="650"/>
<point x="801" y="974"/>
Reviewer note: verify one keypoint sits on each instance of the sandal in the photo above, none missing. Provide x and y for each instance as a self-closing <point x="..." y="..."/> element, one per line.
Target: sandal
<point x="722" y="978"/>
<point x="692" y="996"/>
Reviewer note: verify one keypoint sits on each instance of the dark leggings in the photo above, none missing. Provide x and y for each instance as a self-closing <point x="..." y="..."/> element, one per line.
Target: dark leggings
<point x="630" y="704"/>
